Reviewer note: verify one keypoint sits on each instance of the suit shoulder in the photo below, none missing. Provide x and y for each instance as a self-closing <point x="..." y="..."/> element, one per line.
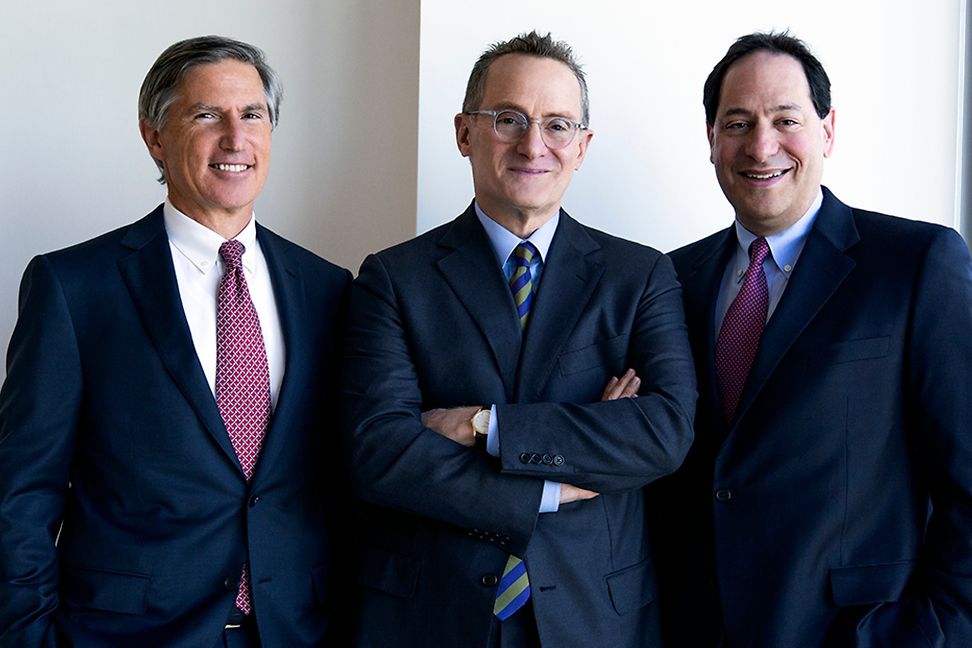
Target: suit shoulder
<point x="692" y="254"/>
<point x="621" y="247"/>
<point x="301" y="255"/>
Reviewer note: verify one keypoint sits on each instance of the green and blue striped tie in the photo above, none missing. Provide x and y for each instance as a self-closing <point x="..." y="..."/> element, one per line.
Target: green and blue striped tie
<point x="514" y="586"/>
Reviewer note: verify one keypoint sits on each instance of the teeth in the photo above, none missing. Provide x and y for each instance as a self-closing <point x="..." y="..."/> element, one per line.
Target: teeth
<point x="766" y="176"/>
<point x="235" y="168"/>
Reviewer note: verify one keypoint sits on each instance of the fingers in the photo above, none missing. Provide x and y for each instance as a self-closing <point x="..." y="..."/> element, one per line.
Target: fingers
<point x="624" y="387"/>
<point x="570" y="493"/>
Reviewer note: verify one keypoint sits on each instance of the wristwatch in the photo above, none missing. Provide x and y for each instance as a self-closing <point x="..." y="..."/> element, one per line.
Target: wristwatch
<point x="480" y="425"/>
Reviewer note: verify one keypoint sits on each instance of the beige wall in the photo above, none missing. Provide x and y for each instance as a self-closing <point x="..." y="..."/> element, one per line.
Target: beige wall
<point x="72" y="165"/>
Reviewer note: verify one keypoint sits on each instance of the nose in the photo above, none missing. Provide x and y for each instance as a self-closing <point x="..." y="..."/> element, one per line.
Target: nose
<point x="531" y="142"/>
<point x="232" y="137"/>
<point x="763" y="143"/>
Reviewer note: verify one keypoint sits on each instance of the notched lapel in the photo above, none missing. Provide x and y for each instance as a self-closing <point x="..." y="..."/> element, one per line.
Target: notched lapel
<point x="821" y="269"/>
<point x="288" y="294"/>
<point x="151" y="282"/>
<point x="571" y="272"/>
<point x="472" y="272"/>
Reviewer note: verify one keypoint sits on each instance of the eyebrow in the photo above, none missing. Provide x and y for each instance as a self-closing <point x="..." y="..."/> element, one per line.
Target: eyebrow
<point x="255" y="107"/>
<point x="511" y="106"/>
<point x="737" y="111"/>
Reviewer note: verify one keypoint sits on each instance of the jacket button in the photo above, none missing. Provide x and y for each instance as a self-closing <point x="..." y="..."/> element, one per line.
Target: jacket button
<point x="524" y="457"/>
<point x="723" y="495"/>
<point x="254" y="500"/>
<point x="547" y="459"/>
<point x="230" y="584"/>
<point x="559" y="460"/>
<point x="535" y="458"/>
<point x="489" y="580"/>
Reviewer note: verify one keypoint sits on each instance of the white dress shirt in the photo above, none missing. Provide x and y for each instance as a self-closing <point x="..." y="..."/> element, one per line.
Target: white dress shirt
<point x="198" y="270"/>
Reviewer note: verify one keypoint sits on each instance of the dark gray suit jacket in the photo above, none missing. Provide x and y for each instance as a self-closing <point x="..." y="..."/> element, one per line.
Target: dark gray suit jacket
<point x="432" y="324"/>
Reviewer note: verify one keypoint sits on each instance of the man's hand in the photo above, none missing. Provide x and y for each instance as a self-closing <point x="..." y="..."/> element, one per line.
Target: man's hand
<point x="570" y="493"/>
<point x="624" y="387"/>
<point x="454" y="423"/>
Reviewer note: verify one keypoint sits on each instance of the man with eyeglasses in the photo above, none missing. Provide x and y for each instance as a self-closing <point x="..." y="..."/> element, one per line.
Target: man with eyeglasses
<point x="503" y="500"/>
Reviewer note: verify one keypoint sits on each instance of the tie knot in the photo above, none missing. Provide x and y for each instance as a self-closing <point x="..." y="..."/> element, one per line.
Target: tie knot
<point x="232" y="252"/>
<point x="523" y="253"/>
<point x="758" y="251"/>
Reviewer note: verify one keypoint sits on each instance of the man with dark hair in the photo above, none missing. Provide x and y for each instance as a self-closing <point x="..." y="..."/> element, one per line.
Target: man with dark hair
<point x="827" y="499"/>
<point x="504" y="502"/>
<point x="169" y="385"/>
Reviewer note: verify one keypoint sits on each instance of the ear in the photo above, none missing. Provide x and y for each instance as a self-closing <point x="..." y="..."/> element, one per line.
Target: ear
<point x="828" y="128"/>
<point x="585" y="140"/>
<point x="462" y="134"/>
<point x="152" y="139"/>
<point x="710" y="134"/>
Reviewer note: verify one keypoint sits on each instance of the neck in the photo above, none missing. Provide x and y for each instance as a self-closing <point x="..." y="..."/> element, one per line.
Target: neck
<point x="522" y="224"/>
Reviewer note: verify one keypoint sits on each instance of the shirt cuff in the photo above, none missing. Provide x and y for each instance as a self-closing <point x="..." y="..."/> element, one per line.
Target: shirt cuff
<point x="550" y="500"/>
<point x="492" y="434"/>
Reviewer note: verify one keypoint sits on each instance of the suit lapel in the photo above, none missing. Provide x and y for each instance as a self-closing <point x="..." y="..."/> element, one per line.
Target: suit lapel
<point x="151" y="282"/>
<point x="287" y="294"/>
<point x="702" y="282"/>
<point x="570" y="274"/>
<point x="821" y="269"/>
<point x="470" y="268"/>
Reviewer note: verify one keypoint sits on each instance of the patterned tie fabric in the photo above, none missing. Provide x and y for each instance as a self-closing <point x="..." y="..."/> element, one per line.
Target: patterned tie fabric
<point x="242" y="375"/>
<point x="514" y="587"/>
<point x="521" y="281"/>
<point x="742" y="329"/>
<point x="513" y="590"/>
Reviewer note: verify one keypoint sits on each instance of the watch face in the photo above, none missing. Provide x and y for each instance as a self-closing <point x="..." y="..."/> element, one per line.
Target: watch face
<point x="480" y="422"/>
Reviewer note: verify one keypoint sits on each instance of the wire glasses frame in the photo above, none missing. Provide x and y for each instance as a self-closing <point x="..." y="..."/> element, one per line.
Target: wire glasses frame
<point x="510" y="125"/>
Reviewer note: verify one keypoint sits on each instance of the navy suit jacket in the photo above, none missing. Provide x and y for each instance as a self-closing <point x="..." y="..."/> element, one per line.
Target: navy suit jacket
<point x="836" y="509"/>
<point x="107" y="424"/>
<point x="432" y="324"/>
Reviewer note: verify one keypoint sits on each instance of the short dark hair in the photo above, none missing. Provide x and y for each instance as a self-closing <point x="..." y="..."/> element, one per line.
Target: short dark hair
<point x="777" y="43"/>
<point x="532" y="44"/>
<point x="160" y="87"/>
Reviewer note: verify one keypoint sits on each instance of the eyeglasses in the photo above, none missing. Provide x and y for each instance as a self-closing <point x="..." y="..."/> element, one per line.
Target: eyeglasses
<point x="511" y="125"/>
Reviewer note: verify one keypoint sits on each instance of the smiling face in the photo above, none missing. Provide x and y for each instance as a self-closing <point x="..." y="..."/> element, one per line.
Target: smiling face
<point x="768" y="144"/>
<point x="215" y="144"/>
<point x="521" y="184"/>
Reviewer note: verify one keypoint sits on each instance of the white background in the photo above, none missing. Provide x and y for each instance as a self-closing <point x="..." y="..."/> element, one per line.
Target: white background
<point x="365" y="155"/>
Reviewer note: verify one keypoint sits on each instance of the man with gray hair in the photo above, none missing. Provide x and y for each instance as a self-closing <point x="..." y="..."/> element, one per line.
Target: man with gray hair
<point x="169" y="385"/>
<point x="504" y="501"/>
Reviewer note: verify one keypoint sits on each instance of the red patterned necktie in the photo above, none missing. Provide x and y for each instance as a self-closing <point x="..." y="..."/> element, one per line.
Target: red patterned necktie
<point x="742" y="329"/>
<point x="242" y="375"/>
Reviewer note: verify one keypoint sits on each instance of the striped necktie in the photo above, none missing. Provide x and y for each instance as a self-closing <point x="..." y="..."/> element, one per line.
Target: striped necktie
<point x="521" y="281"/>
<point x="514" y="586"/>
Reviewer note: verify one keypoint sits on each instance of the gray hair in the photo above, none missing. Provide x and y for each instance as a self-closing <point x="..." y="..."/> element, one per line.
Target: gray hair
<point x="532" y="44"/>
<point x="160" y="88"/>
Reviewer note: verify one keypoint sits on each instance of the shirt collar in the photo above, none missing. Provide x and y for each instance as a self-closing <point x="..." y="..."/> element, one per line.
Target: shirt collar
<point x="787" y="245"/>
<point x="503" y="241"/>
<point x="199" y="244"/>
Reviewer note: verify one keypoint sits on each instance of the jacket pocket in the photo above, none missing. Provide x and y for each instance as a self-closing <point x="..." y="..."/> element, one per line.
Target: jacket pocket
<point x="109" y="591"/>
<point x="389" y="573"/>
<point x="604" y="353"/>
<point x="633" y="587"/>
<point x="870" y="584"/>
<point x="862" y="349"/>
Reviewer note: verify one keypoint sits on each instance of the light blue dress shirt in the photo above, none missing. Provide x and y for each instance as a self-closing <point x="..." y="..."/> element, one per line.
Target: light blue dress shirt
<point x="503" y="242"/>
<point x="785" y="249"/>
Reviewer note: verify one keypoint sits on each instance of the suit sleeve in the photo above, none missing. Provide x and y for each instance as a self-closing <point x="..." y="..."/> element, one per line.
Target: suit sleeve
<point x="940" y="362"/>
<point x="395" y="461"/>
<point x="624" y="444"/>
<point x="39" y="405"/>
